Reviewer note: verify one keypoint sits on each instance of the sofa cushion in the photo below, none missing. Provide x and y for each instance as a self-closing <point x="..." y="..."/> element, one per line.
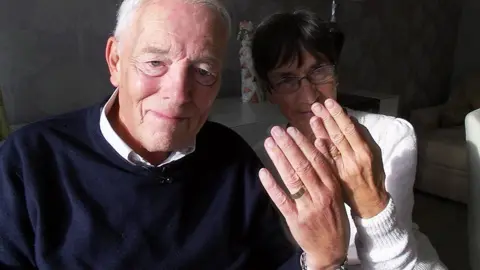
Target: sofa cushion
<point x="441" y="181"/>
<point x="445" y="147"/>
<point x="456" y="108"/>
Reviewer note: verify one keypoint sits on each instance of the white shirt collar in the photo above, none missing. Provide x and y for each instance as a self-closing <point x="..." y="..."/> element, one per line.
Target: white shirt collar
<point x="122" y="148"/>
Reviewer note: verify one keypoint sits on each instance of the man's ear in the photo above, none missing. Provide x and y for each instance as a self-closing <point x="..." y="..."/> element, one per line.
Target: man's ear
<point x="113" y="60"/>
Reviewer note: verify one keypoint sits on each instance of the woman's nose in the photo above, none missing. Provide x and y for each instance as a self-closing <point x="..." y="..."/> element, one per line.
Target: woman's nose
<point x="308" y="91"/>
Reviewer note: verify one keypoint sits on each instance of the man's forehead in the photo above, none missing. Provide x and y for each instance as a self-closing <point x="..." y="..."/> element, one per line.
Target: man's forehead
<point x="206" y="54"/>
<point x="161" y="25"/>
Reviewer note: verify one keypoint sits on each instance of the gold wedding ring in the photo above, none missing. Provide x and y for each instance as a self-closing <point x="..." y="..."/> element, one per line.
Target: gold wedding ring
<point x="335" y="153"/>
<point x="297" y="195"/>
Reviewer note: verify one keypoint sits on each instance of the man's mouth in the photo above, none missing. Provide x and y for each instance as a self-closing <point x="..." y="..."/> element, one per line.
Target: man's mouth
<point x="167" y="116"/>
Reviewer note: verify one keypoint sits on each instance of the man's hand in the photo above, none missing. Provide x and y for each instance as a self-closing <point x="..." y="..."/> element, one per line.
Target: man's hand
<point x="355" y="155"/>
<point x="314" y="210"/>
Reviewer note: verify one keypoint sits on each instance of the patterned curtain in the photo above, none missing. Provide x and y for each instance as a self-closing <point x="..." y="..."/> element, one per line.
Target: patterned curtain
<point x="4" y="128"/>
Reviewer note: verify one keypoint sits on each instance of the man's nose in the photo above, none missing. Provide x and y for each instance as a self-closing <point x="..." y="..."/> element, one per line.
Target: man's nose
<point x="178" y="85"/>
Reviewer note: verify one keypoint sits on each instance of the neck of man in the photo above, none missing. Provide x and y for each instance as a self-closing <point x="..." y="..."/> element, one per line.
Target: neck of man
<point x="117" y="122"/>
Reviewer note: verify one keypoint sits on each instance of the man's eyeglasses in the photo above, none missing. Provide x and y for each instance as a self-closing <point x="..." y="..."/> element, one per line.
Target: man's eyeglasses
<point x="321" y="75"/>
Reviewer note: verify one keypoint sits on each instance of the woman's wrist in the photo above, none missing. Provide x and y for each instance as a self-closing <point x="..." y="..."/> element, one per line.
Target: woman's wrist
<point x="307" y="263"/>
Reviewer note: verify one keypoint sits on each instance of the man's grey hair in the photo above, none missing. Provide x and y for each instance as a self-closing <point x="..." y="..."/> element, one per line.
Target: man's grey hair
<point x="128" y="8"/>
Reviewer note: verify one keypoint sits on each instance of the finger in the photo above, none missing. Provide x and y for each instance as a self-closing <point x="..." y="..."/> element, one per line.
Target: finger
<point x="320" y="132"/>
<point x="318" y="128"/>
<point x="321" y="146"/>
<point x="300" y="163"/>
<point x="345" y="124"/>
<point x="317" y="160"/>
<point x="336" y="135"/>
<point x="289" y="176"/>
<point x="278" y="196"/>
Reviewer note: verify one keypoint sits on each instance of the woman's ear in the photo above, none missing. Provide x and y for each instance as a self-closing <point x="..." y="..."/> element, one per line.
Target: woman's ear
<point x="270" y="97"/>
<point x="267" y="91"/>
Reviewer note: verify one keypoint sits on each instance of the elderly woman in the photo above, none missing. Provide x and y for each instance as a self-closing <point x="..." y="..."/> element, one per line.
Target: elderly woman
<point x="295" y="56"/>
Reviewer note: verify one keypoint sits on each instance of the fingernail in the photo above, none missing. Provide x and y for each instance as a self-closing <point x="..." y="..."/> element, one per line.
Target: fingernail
<point x="262" y="172"/>
<point x="317" y="108"/>
<point x="277" y="131"/>
<point x="329" y="103"/>
<point x="269" y="142"/>
<point x="292" y="131"/>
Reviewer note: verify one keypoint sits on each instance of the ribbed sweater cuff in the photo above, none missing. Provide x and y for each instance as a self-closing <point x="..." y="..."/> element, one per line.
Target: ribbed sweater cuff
<point x="381" y="231"/>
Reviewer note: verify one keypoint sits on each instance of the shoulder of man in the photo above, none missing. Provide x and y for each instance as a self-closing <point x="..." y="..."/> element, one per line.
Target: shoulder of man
<point x="39" y="135"/>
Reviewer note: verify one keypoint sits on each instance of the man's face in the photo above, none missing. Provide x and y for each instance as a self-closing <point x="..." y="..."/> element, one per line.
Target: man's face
<point x="296" y="105"/>
<point x="168" y="73"/>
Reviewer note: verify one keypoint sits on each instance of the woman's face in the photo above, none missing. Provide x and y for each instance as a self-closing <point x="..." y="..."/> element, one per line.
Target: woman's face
<point x="296" y="98"/>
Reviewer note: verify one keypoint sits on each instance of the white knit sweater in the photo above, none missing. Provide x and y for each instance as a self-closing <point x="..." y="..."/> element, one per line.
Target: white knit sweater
<point x="389" y="240"/>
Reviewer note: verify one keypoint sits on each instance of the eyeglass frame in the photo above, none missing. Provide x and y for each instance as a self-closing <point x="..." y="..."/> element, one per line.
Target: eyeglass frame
<point x="306" y="76"/>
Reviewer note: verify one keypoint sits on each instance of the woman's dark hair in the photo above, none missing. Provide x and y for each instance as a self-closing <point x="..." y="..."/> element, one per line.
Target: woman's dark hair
<point x="281" y="38"/>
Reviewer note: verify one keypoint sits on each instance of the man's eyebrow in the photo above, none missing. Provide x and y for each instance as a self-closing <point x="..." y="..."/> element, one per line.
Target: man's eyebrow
<point x="209" y="59"/>
<point x="154" y="50"/>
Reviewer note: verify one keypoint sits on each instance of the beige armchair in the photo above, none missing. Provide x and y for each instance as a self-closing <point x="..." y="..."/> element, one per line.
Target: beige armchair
<point x="442" y="158"/>
<point x="472" y="130"/>
<point x="442" y="152"/>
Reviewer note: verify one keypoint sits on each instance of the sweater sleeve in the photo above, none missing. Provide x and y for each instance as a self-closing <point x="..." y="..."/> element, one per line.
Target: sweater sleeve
<point x="16" y="234"/>
<point x="391" y="240"/>
<point x="271" y="248"/>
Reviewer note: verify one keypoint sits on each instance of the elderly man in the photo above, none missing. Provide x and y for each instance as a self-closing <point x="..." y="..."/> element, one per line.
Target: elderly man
<point x="142" y="181"/>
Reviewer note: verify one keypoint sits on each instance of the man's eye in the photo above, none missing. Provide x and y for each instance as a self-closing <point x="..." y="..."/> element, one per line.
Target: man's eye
<point x="155" y="63"/>
<point x="153" y="68"/>
<point x="205" y="77"/>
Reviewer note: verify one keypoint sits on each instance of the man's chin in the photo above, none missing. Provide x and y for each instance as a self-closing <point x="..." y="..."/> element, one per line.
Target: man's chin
<point x="161" y="142"/>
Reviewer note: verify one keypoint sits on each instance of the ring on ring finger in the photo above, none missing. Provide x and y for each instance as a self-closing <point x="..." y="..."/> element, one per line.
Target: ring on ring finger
<point x="335" y="153"/>
<point x="297" y="195"/>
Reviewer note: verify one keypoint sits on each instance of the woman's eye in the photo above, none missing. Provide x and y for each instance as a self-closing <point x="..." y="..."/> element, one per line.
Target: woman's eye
<point x="287" y="80"/>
